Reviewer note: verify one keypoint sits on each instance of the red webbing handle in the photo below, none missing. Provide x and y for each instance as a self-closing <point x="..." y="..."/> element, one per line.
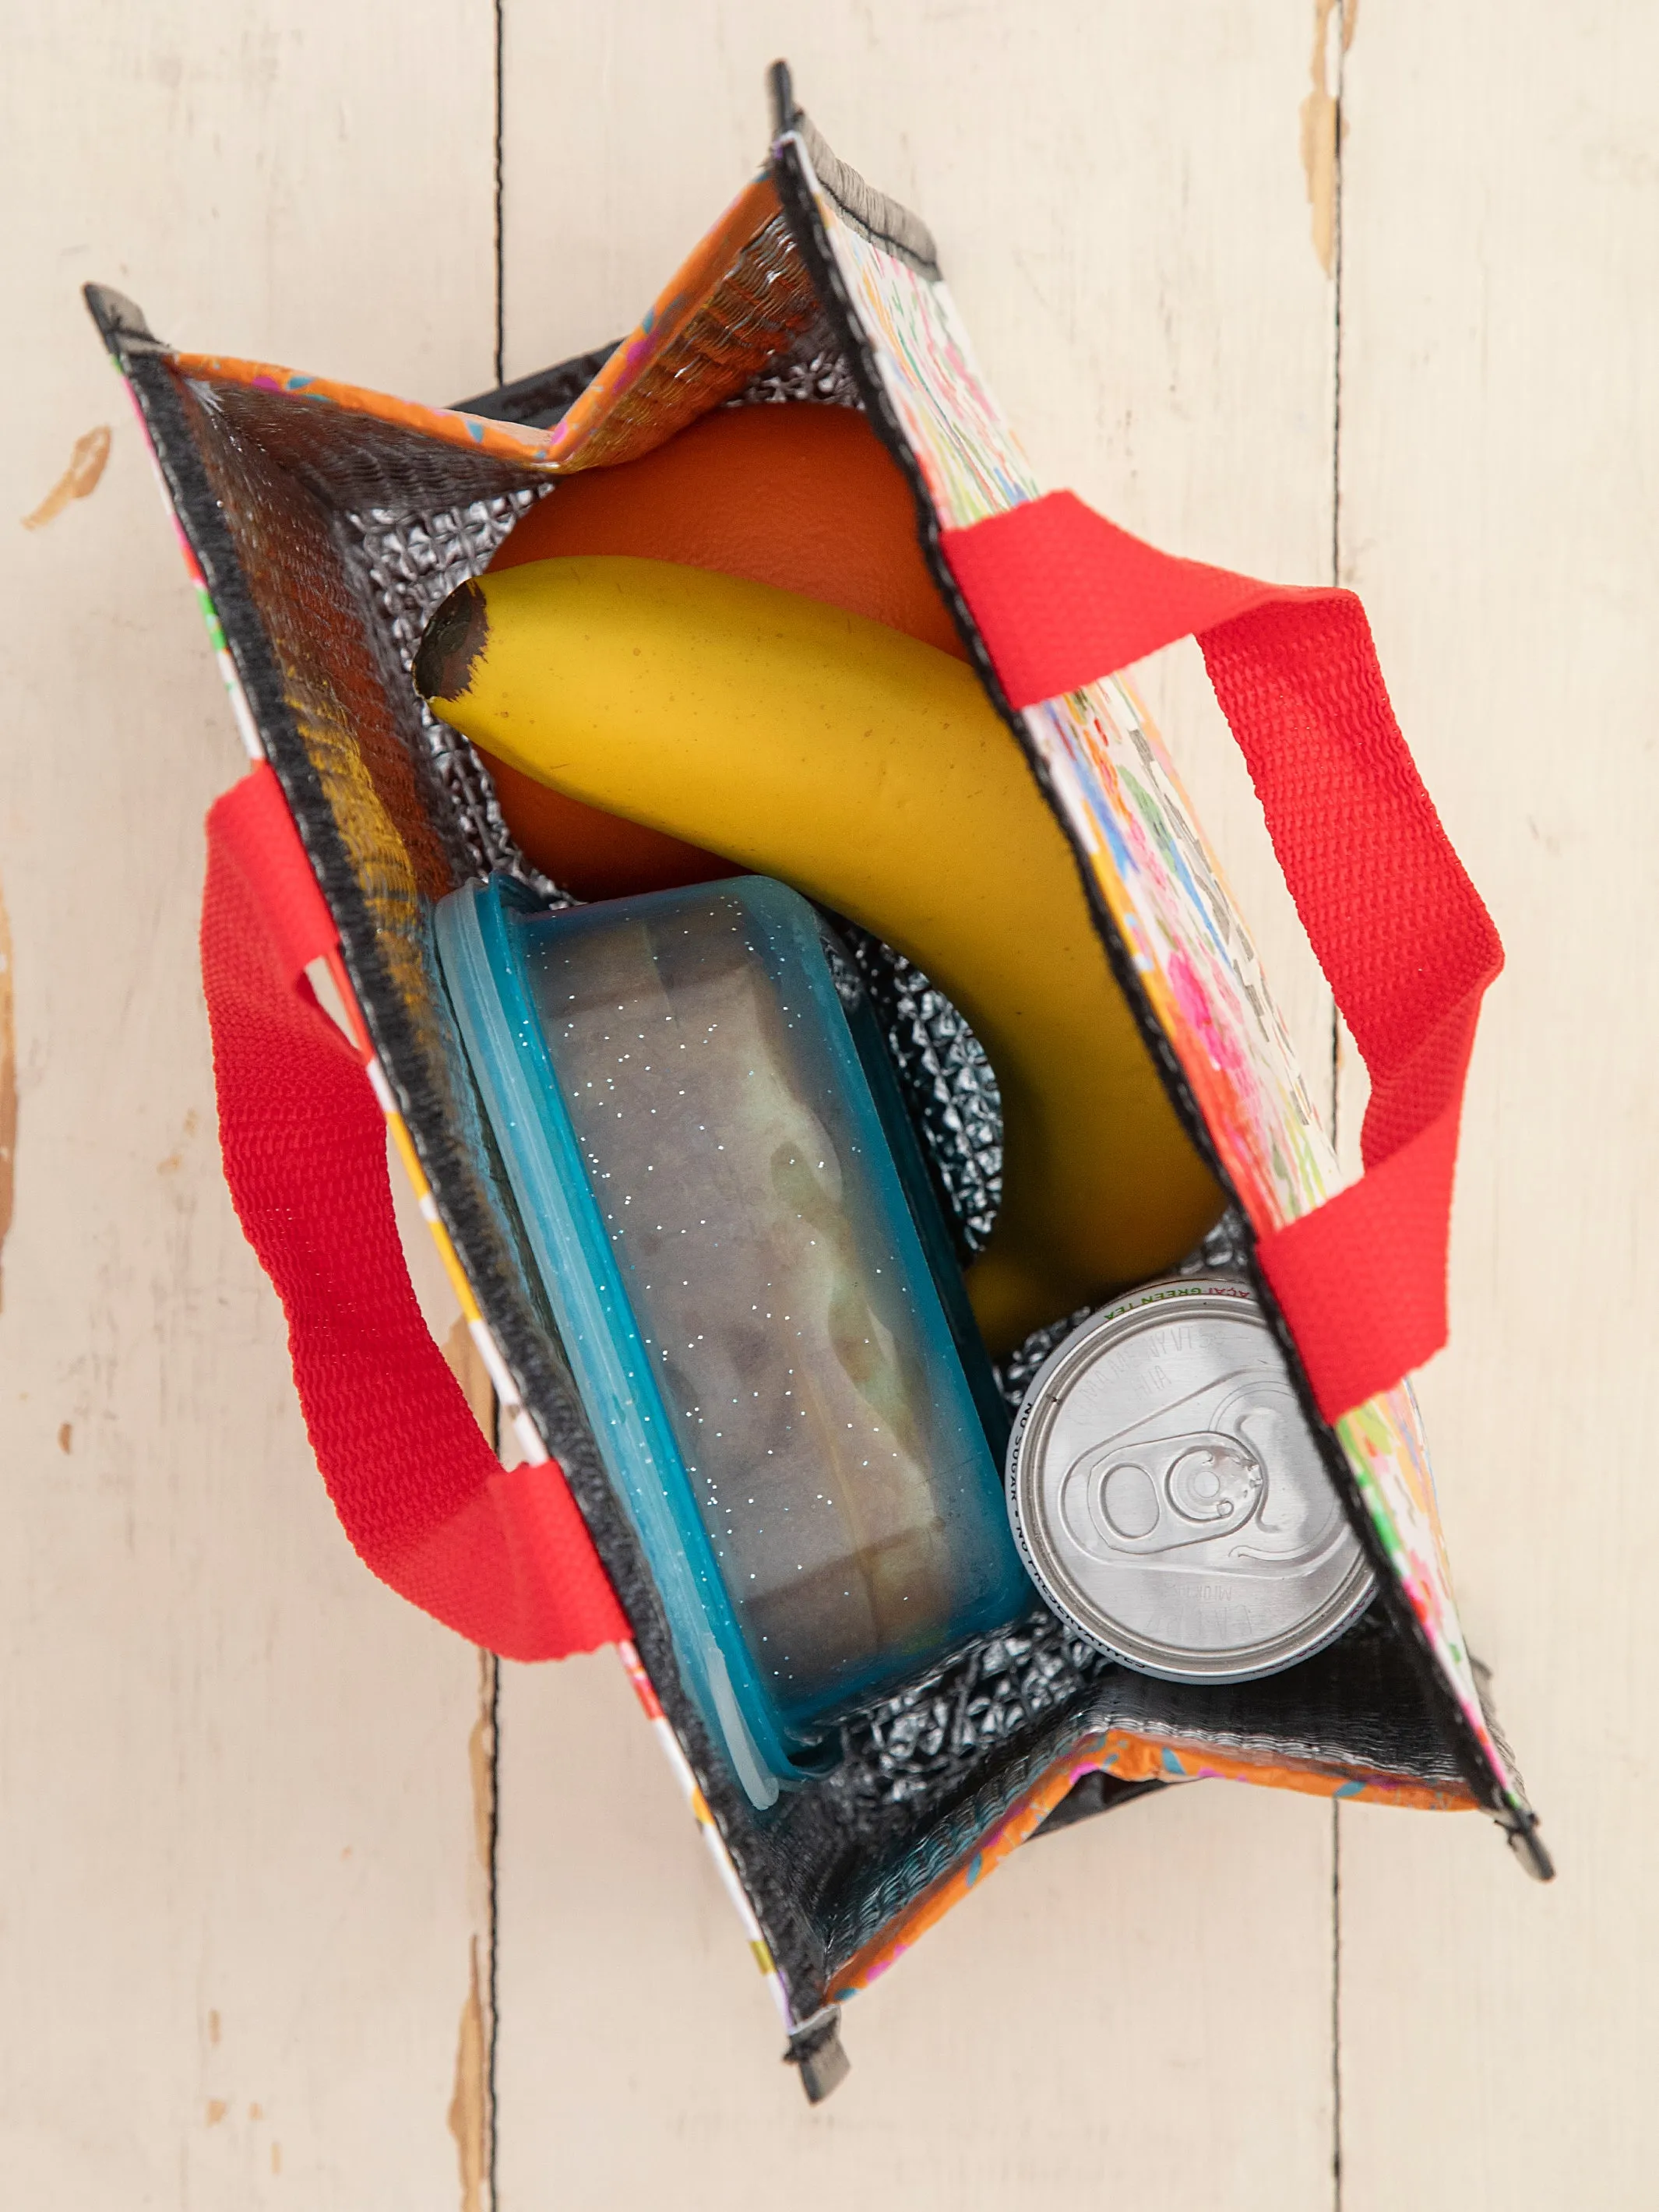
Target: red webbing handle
<point x="1062" y="596"/>
<point x="502" y="1557"/>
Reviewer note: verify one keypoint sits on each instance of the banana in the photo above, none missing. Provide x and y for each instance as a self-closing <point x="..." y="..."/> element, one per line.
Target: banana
<point x="870" y="771"/>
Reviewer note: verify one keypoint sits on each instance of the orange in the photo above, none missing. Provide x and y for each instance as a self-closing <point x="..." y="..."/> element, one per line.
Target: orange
<point x="801" y="496"/>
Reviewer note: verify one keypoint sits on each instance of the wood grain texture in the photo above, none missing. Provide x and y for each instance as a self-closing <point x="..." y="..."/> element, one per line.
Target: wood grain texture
<point x="238" y="1895"/>
<point x="245" y="1900"/>
<point x="1109" y="2020"/>
<point x="1500" y="468"/>
<point x="1122" y="210"/>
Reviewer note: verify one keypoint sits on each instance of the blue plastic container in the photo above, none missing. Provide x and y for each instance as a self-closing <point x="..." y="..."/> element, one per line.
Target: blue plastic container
<point x="776" y="1364"/>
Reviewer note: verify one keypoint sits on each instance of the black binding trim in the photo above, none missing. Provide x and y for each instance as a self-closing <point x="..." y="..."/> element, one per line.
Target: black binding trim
<point x="815" y="2048"/>
<point x="1091" y="1795"/>
<point x="884" y="221"/>
<point x="541" y="400"/>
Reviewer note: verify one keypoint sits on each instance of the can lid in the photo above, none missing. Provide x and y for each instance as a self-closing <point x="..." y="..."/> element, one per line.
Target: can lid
<point x="1169" y="1498"/>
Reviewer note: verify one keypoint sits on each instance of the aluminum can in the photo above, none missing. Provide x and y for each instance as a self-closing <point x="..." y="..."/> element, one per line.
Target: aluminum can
<point x="1169" y="1498"/>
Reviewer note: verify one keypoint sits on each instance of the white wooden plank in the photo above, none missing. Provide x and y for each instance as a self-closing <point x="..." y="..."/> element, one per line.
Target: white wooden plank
<point x="1121" y="210"/>
<point x="1120" y="2010"/>
<point x="238" y="1866"/>
<point x="1500" y="223"/>
<point x="1143" y="2005"/>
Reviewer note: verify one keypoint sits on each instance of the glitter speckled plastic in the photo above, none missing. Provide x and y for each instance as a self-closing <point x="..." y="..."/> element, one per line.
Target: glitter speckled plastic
<point x="745" y="1300"/>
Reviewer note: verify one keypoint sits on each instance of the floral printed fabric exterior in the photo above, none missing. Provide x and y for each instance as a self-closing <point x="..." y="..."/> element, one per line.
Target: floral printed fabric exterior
<point x="1124" y="804"/>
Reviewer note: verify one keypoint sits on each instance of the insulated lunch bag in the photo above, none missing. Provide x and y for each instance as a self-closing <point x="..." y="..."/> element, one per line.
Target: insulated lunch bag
<point x="323" y="525"/>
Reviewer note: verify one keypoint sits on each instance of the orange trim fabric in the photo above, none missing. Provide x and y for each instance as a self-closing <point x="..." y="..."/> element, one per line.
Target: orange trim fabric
<point x="1130" y="1759"/>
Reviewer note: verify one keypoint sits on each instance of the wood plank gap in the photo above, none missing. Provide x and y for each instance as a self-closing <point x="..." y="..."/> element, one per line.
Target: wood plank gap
<point x="1346" y="12"/>
<point x="489" y="1678"/>
<point x="472" y="2104"/>
<point x="1345" y="33"/>
<point x="1336" y="2005"/>
<point x="500" y="11"/>
<point x="491" y="1701"/>
<point x="492" y="1684"/>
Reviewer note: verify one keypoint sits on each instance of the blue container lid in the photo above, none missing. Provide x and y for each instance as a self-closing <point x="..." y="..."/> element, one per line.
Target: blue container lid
<point x="748" y="1309"/>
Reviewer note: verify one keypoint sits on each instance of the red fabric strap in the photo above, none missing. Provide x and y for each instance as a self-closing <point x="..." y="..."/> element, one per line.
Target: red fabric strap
<point x="503" y="1557"/>
<point x="1062" y="596"/>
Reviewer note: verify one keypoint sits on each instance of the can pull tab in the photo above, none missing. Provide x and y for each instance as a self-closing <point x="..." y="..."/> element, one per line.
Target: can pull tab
<point x="1163" y="1493"/>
